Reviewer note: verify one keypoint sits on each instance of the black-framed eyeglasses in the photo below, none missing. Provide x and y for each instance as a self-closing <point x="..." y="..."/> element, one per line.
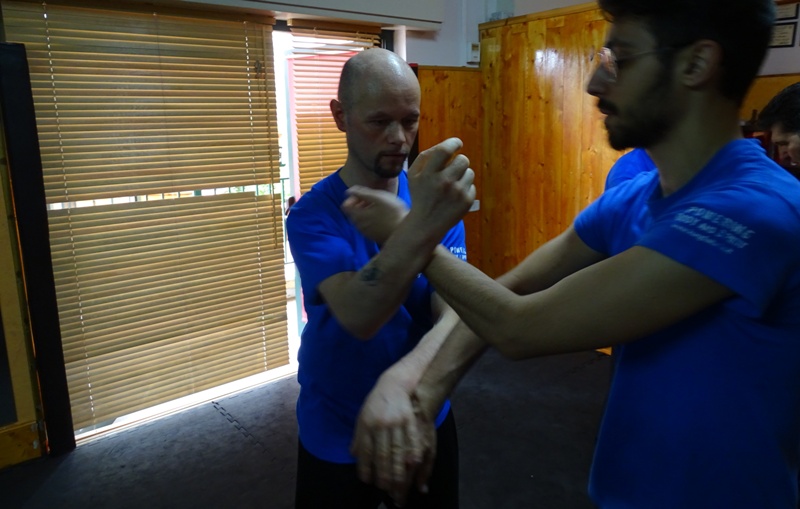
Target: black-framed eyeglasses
<point x="610" y="62"/>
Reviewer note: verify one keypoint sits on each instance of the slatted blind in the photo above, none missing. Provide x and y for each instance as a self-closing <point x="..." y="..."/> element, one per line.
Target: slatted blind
<point x="160" y="153"/>
<point x="314" y="69"/>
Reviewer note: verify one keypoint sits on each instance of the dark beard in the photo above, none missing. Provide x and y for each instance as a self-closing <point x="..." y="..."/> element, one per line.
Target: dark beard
<point x="650" y="123"/>
<point x="386" y="172"/>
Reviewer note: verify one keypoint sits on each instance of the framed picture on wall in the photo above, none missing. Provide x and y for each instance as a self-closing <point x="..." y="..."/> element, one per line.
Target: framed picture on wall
<point x="786" y="11"/>
<point x="783" y="35"/>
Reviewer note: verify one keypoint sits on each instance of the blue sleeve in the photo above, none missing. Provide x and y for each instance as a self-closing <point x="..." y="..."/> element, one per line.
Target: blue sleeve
<point x="750" y="249"/>
<point x="587" y="226"/>
<point x="628" y="167"/>
<point x="320" y="239"/>
<point x="614" y="222"/>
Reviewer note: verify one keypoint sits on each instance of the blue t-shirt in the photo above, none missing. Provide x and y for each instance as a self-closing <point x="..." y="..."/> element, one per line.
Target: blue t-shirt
<point x="706" y="414"/>
<point x="337" y="370"/>
<point x="628" y="167"/>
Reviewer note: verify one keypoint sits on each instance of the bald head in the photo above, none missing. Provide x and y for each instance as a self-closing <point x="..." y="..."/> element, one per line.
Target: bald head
<point x="374" y="70"/>
<point x="378" y="110"/>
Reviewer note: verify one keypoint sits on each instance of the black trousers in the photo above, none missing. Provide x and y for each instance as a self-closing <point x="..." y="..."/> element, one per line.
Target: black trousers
<point x="325" y="485"/>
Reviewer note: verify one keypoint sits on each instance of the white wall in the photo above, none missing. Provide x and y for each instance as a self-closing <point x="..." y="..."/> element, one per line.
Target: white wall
<point x="449" y="45"/>
<point x="529" y="6"/>
<point x="425" y="14"/>
<point x="782" y="61"/>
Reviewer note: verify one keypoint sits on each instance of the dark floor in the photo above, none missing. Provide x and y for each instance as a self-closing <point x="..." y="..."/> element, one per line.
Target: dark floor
<point x="526" y="432"/>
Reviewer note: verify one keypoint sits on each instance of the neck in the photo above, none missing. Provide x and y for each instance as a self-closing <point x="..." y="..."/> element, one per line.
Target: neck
<point x="354" y="174"/>
<point x="707" y="127"/>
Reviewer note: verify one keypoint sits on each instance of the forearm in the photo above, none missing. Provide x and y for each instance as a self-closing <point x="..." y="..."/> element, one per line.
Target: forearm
<point x="453" y="359"/>
<point x="643" y="292"/>
<point x="365" y="301"/>
<point x="451" y="362"/>
<point x="460" y="351"/>
<point x="476" y="298"/>
<point x="409" y="370"/>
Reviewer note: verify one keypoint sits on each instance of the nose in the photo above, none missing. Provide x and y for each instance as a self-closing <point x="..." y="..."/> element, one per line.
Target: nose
<point x="597" y="83"/>
<point x="395" y="133"/>
<point x="783" y="154"/>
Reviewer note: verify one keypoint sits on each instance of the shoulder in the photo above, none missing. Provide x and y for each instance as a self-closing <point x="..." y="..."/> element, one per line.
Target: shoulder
<point x="629" y="166"/>
<point x="320" y="204"/>
<point x="748" y="206"/>
<point x="751" y="187"/>
<point x="630" y="194"/>
<point x="744" y="205"/>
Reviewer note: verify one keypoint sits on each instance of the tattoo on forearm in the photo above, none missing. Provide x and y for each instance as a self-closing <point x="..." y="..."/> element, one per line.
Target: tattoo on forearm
<point x="370" y="274"/>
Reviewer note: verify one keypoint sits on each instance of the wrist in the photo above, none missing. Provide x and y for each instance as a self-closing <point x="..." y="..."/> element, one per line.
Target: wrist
<point x="424" y="403"/>
<point x="398" y="376"/>
<point x="423" y="230"/>
<point x="393" y="227"/>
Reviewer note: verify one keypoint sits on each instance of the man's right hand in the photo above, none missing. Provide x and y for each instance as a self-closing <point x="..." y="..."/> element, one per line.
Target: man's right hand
<point x="440" y="183"/>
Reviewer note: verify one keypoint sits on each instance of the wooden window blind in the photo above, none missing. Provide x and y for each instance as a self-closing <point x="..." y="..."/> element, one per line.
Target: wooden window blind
<point x="314" y="68"/>
<point x="161" y="166"/>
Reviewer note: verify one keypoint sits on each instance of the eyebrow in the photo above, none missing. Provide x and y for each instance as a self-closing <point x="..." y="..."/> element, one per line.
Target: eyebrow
<point x="382" y="114"/>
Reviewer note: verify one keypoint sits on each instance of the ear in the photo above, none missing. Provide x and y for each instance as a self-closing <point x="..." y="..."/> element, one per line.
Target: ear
<point x="338" y="115"/>
<point x="701" y="63"/>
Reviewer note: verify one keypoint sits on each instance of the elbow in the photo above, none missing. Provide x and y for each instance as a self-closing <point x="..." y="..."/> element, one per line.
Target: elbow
<point x="362" y="333"/>
<point x="513" y="338"/>
<point x="359" y="330"/>
<point x="354" y="324"/>
<point x="513" y="349"/>
<point x="358" y="325"/>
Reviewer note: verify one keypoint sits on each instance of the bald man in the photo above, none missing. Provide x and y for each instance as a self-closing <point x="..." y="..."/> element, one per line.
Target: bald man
<point x="368" y="306"/>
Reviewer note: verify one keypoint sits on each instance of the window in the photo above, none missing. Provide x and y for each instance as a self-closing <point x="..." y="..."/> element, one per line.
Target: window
<point x="314" y="60"/>
<point x="161" y="165"/>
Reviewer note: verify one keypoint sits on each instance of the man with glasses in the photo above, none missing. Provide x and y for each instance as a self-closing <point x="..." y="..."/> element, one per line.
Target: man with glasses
<point x="692" y="273"/>
<point x="781" y="116"/>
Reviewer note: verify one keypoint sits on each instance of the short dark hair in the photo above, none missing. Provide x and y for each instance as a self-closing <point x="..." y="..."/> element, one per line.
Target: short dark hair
<point x="742" y="28"/>
<point x="782" y="110"/>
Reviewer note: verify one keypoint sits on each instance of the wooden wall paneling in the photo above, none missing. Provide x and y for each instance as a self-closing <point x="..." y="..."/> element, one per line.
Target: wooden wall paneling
<point x="556" y="166"/>
<point x="491" y="68"/>
<point x="572" y="90"/>
<point x="597" y="154"/>
<point x="537" y="188"/>
<point x="452" y="106"/>
<point x="545" y="149"/>
<point x="510" y="171"/>
<point x="514" y="186"/>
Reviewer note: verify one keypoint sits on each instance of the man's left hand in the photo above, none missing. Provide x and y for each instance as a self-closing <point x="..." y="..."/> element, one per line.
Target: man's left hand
<point x="387" y="444"/>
